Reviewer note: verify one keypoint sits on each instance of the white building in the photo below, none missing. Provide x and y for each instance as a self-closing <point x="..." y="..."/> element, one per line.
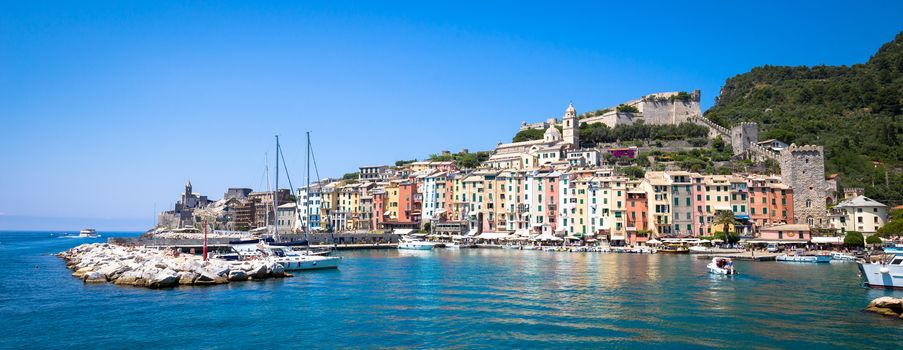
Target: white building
<point x="309" y="206"/>
<point x="861" y="214"/>
<point x="587" y="157"/>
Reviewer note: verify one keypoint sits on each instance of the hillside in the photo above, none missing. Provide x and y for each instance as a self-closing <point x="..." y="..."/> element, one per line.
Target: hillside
<point x="855" y="112"/>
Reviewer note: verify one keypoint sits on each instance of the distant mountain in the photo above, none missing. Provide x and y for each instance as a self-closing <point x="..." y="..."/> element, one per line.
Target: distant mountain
<point x="855" y="112"/>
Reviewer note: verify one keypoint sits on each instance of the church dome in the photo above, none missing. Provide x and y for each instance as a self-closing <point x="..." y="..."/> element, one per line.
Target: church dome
<point x="552" y="134"/>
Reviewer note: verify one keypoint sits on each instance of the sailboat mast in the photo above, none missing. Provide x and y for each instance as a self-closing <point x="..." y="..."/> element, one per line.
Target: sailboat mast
<point x="275" y="191"/>
<point x="307" y="200"/>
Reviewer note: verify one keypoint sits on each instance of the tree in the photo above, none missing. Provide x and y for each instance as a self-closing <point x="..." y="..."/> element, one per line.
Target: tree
<point x="718" y="144"/>
<point x="853" y="239"/>
<point x="627" y="108"/>
<point x="894" y="227"/>
<point x="873" y="239"/>
<point x="725" y="218"/>
<point x="730" y="237"/>
<point x="529" y="135"/>
<point x="351" y="176"/>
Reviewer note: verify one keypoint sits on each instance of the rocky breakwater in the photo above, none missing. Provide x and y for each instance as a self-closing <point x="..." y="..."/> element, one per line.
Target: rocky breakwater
<point x="155" y="268"/>
<point x="887" y="306"/>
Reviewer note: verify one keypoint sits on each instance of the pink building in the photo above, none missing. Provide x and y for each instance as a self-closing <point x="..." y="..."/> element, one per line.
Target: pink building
<point x="784" y="234"/>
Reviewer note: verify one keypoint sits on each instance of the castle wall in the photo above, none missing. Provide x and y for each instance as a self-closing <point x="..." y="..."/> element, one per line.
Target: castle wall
<point x="611" y="119"/>
<point x="803" y="169"/>
<point x="661" y="112"/>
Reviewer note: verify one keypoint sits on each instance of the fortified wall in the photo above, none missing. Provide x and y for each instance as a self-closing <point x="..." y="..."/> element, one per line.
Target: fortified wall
<point x="662" y="108"/>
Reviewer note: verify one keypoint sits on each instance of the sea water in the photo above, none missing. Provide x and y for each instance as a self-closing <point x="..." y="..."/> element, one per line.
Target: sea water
<point x="467" y="298"/>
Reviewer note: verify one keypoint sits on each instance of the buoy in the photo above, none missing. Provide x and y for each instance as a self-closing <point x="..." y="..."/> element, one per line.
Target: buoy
<point x="884" y="270"/>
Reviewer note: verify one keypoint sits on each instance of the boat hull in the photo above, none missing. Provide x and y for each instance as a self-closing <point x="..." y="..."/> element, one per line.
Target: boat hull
<point x="311" y="262"/>
<point x="415" y="246"/>
<point x="713" y="269"/>
<point x="805" y="259"/>
<point x="882" y="275"/>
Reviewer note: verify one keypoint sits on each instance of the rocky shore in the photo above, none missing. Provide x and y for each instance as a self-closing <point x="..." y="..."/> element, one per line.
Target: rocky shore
<point x="887" y="306"/>
<point x="155" y="268"/>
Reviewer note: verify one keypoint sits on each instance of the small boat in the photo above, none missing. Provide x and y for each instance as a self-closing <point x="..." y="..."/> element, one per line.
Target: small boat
<point x="722" y="266"/>
<point x="887" y="273"/>
<point x="673" y="249"/>
<point x="821" y="258"/>
<point x="701" y="249"/>
<point x="88" y="233"/>
<point x="414" y="244"/>
<point x="838" y="256"/>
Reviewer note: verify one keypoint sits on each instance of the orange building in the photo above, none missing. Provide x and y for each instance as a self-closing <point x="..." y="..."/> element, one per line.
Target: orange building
<point x="637" y="212"/>
<point x="770" y="202"/>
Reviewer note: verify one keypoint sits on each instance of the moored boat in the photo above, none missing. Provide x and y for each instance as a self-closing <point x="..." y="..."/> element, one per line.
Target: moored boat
<point x="887" y="273"/>
<point x="722" y="266"/>
<point x="414" y="244"/>
<point x="673" y="249"/>
<point x="821" y="258"/>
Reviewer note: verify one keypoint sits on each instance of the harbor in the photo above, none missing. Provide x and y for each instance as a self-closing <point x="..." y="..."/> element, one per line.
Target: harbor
<point x="490" y="297"/>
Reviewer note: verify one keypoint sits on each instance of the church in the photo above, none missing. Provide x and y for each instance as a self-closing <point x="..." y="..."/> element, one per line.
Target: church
<point x="551" y="150"/>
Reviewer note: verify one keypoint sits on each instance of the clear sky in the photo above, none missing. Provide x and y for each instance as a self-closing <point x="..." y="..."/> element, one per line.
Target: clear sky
<point x="108" y="107"/>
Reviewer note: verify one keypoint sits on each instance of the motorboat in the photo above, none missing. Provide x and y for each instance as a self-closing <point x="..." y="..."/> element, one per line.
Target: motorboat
<point x="88" y="233"/>
<point x="841" y="257"/>
<point x="294" y="261"/>
<point x="673" y="249"/>
<point x="821" y="258"/>
<point x="887" y="273"/>
<point x="722" y="266"/>
<point x="414" y="244"/>
<point x="700" y="249"/>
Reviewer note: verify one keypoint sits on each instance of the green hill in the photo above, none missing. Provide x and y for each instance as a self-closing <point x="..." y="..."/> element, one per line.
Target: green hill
<point x="855" y="112"/>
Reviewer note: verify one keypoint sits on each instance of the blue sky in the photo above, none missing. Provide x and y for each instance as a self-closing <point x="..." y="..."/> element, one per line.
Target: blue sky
<point x="109" y="107"/>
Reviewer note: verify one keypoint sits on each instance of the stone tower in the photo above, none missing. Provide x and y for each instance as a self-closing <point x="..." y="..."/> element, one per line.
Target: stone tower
<point x="569" y="125"/>
<point x="742" y="136"/>
<point x="803" y="169"/>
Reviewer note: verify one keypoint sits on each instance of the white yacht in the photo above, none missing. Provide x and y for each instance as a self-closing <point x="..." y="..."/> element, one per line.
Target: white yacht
<point x="294" y="261"/>
<point x="887" y="273"/>
<point x="722" y="266"/>
<point x="822" y="258"/>
<point x="414" y="244"/>
<point x="88" y="233"/>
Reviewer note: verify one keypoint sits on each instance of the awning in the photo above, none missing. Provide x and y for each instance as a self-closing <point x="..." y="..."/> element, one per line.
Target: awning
<point x="546" y="237"/>
<point x="472" y="232"/>
<point x="439" y="211"/>
<point x="387" y="213"/>
<point x="493" y="235"/>
<point x="617" y="238"/>
<point x="777" y="241"/>
<point x="403" y="231"/>
<point x="828" y="240"/>
<point x="653" y="241"/>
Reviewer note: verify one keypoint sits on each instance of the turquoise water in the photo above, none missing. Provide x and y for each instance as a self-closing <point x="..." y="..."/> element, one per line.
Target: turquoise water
<point x="472" y="298"/>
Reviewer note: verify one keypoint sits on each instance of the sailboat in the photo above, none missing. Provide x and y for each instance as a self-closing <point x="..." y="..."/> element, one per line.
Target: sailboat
<point x="284" y="253"/>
